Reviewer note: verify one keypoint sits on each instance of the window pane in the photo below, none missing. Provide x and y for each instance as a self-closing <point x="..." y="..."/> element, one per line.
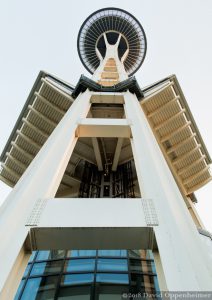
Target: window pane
<point x="122" y="253"/>
<point x="112" y="264"/>
<point x="40" y="288"/>
<point x="27" y="270"/>
<point x="75" y="293"/>
<point x="77" y="278"/>
<point x="46" y="268"/>
<point x="110" y="296"/>
<point x="77" y="265"/>
<point x="142" y="266"/>
<point x="19" y="289"/>
<point x="78" y="253"/>
<point x="53" y="254"/>
<point x="149" y="254"/>
<point x="134" y="253"/>
<point x="142" y="282"/>
<point x="112" y="292"/>
<point x="43" y="255"/>
<point x="32" y="256"/>
<point x="112" y="278"/>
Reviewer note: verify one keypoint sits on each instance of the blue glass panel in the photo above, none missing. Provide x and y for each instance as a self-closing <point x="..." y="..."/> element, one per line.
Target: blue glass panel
<point x="43" y="255"/>
<point x="149" y="254"/>
<point x="77" y="265"/>
<point x="40" y="288"/>
<point x="80" y="253"/>
<point x="156" y="284"/>
<point x="77" y="278"/>
<point x="19" y="289"/>
<point x="32" y="256"/>
<point x="122" y="253"/>
<point x="27" y="270"/>
<point x="112" y="278"/>
<point x="46" y="267"/>
<point x="104" y="264"/>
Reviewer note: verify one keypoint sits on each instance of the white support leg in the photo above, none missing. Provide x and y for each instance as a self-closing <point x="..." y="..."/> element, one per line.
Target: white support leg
<point x="40" y="180"/>
<point x="184" y="260"/>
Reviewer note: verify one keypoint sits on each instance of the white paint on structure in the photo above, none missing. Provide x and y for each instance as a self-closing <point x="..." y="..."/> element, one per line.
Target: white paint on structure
<point x="184" y="259"/>
<point x="40" y="180"/>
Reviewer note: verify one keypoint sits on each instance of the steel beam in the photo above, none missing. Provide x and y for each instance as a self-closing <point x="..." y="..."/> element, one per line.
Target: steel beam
<point x="103" y="128"/>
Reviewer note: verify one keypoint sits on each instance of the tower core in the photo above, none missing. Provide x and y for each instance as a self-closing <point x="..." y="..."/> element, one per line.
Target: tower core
<point x="109" y="167"/>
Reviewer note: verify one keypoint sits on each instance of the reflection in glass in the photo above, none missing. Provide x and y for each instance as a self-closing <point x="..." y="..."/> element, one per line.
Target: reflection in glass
<point x="32" y="256"/>
<point x="134" y="253"/>
<point x="74" y="293"/>
<point x="40" y="288"/>
<point x="77" y="278"/>
<point x="122" y="253"/>
<point x="19" y="290"/>
<point x="104" y="264"/>
<point x="149" y="254"/>
<point x="45" y="268"/>
<point x="27" y="270"/>
<point x="141" y="266"/>
<point x="112" y="278"/>
<point x="110" y="296"/>
<point x="77" y="265"/>
<point x="142" y="282"/>
<point x="111" y="292"/>
<point x="53" y="254"/>
<point x="80" y="253"/>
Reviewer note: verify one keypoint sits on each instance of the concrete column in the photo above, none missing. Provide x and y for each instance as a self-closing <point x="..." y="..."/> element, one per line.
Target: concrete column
<point x="41" y="180"/>
<point x="184" y="259"/>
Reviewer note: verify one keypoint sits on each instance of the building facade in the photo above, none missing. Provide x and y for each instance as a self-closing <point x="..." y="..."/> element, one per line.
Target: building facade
<point x="88" y="274"/>
<point x="104" y="165"/>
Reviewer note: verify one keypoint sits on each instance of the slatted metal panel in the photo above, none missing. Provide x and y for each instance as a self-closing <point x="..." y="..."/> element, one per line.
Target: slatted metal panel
<point x="46" y="106"/>
<point x="176" y="132"/>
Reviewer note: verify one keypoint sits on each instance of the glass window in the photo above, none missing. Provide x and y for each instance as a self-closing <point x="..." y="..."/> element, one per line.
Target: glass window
<point x="142" y="282"/>
<point x="122" y="253"/>
<point x="17" y="295"/>
<point x="77" y="278"/>
<point x="110" y="296"/>
<point x="137" y="279"/>
<point x="149" y="254"/>
<point x="142" y="266"/>
<point x="53" y="254"/>
<point x="134" y="253"/>
<point x="81" y="253"/>
<point x="40" y="288"/>
<point x="32" y="256"/>
<point x="43" y="255"/>
<point x="112" y="278"/>
<point x="77" y="265"/>
<point x="27" y="270"/>
<point x="74" y="293"/>
<point x="46" y="267"/>
<point x="111" y="292"/>
<point x="156" y="283"/>
<point x="104" y="264"/>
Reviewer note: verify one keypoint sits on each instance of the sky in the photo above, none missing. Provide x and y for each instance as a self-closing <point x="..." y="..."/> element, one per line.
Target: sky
<point x="42" y="35"/>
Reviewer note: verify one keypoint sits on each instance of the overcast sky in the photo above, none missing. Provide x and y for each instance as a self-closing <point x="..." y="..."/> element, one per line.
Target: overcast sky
<point x="42" y="35"/>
